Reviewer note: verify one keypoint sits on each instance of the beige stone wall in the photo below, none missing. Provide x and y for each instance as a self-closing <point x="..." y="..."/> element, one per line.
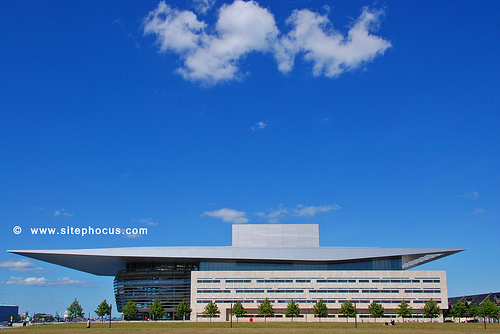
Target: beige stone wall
<point x="306" y="287"/>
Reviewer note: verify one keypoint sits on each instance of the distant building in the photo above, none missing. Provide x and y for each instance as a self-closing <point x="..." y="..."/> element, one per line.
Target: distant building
<point x="280" y="262"/>
<point x="476" y="299"/>
<point x="8" y="311"/>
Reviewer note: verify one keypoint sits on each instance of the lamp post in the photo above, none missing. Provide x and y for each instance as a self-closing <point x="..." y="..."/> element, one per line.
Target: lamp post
<point x="110" y="307"/>
<point x="484" y="317"/>
<point x="355" y="316"/>
<point x="231" y="315"/>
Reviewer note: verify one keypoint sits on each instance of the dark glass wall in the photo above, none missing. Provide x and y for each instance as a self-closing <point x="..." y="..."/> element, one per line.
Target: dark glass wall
<point x="143" y="283"/>
<point x="376" y="264"/>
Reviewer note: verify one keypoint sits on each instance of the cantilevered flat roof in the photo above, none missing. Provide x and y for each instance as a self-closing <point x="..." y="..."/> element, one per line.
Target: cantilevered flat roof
<point x="108" y="261"/>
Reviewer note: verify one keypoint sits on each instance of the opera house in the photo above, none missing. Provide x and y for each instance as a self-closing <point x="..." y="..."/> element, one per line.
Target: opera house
<point x="278" y="261"/>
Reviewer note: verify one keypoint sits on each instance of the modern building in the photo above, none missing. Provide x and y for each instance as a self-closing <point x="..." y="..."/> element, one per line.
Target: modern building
<point x="280" y="262"/>
<point x="8" y="313"/>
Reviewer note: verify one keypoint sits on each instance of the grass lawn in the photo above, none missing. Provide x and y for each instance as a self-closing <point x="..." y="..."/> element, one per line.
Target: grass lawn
<point x="256" y="328"/>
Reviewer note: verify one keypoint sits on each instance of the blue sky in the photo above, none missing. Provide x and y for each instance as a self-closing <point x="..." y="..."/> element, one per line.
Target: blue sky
<point x="378" y="121"/>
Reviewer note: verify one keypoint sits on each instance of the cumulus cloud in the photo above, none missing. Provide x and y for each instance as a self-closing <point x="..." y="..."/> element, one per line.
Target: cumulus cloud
<point x="331" y="52"/>
<point x="211" y="55"/>
<point x="21" y="265"/>
<point x="228" y="215"/>
<point x="42" y="281"/>
<point x="472" y="195"/>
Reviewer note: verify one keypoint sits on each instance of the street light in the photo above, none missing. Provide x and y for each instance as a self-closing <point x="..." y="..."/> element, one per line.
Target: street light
<point x="110" y="308"/>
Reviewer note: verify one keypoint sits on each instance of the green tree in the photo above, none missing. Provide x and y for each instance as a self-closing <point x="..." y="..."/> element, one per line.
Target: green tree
<point x="376" y="310"/>
<point x="211" y="309"/>
<point x="490" y="309"/>
<point x="266" y="309"/>
<point x="103" y="309"/>
<point x="474" y="311"/>
<point x="348" y="310"/>
<point x="292" y="309"/>
<point x="130" y="310"/>
<point x="320" y="309"/>
<point x="183" y="310"/>
<point x="75" y="310"/>
<point x="459" y="310"/>
<point x="403" y="310"/>
<point x="238" y="310"/>
<point x="431" y="309"/>
<point x="157" y="309"/>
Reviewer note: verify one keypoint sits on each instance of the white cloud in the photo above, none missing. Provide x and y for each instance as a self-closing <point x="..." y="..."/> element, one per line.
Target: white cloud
<point x="311" y="211"/>
<point x="258" y="126"/>
<point x="21" y="265"/>
<point x="42" y="281"/>
<point x="63" y="212"/>
<point x="478" y="211"/>
<point x="273" y="216"/>
<point x="472" y="195"/>
<point x="228" y="215"/>
<point x="330" y="51"/>
<point x="147" y="221"/>
<point x="211" y="55"/>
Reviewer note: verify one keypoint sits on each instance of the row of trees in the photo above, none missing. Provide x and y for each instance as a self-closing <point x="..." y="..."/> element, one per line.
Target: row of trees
<point x="430" y="310"/>
<point x="75" y="310"/>
<point x="463" y="311"/>
<point x="130" y="310"/>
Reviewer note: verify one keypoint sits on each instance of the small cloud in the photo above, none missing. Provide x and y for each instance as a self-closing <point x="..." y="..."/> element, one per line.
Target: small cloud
<point x="273" y="215"/>
<point x="44" y="282"/>
<point x="228" y="215"/>
<point x="478" y="211"/>
<point x="326" y="119"/>
<point x="311" y="211"/>
<point x="21" y="265"/>
<point x="472" y="195"/>
<point x="127" y="174"/>
<point x="258" y="126"/>
<point x="63" y="212"/>
<point x="147" y="221"/>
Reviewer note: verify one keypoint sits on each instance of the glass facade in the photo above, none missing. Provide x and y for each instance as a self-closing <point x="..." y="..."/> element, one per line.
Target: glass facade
<point x="375" y="264"/>
<point x="143" y="283"/>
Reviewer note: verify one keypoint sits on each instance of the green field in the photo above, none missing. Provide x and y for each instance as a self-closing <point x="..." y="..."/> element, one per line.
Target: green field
<point x="256" y="328"/>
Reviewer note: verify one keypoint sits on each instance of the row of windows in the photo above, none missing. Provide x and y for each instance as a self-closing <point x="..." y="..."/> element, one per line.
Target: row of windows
<point x="318" y="291"/>
<point x="317" y="280"/>
<point x="312" y="301"/>
<point x="333" y="291"/>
